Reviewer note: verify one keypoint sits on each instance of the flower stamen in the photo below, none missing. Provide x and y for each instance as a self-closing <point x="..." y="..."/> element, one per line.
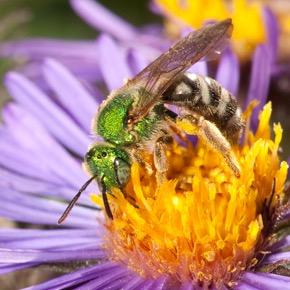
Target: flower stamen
<point x="202" y="224"/>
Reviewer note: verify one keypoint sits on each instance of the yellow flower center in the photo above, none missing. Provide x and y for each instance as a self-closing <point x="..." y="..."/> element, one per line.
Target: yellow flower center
<point x="202" y="224"/>
<point x="246" y="15"/>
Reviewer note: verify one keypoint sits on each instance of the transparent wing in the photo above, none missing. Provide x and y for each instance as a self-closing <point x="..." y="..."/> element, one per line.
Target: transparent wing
<point x="162" y="72"/>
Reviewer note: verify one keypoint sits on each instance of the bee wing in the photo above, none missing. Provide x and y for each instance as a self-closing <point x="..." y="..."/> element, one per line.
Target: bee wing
<point x="162" y="72"/>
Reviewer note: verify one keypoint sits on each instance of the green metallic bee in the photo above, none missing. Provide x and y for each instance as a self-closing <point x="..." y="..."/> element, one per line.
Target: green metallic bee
<point x="134" y="118"/>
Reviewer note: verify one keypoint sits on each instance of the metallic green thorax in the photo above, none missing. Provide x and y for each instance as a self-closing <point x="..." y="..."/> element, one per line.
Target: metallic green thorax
<point x="111" y="164"/>
<point x="112" y="118"/>
<point x="148" y="125"/>
<point x="111" y="121"/>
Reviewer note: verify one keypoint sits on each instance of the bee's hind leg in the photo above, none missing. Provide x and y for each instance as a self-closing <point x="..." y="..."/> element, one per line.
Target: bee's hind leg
<point x="213" y="136"/>
<point x="160" y="159"/>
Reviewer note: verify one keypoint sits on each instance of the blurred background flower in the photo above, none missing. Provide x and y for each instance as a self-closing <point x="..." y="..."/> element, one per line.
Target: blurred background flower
<point x="56" y="86"/>
<point x="247" y="17"/>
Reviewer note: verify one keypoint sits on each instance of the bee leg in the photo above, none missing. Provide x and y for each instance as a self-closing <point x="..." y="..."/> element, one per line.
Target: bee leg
<point x="160" y="159"/>
<point x="136" y="156"/>
<point x="210" y="133"/>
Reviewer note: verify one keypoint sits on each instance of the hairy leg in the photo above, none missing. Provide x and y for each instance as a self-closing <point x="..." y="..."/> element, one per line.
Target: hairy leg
<point x="216" y="140"/>
<point x="160" y="159"/>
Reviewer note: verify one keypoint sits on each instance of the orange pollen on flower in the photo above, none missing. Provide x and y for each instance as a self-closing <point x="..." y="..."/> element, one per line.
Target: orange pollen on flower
<point x="202" y="224"/>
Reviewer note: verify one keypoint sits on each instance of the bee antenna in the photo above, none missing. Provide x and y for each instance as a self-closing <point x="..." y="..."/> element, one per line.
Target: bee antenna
<point x="75" y="199"/>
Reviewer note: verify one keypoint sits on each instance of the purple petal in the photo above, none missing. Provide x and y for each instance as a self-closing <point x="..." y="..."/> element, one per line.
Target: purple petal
<point x="77" y="277"/>
<point x="102" y="19"/>
<point x="228" y="73"/>
<point x="9" y="234"/>
<point x="283" y="243"/>
<point x="187" y="286"/>
<point x="272" y="30"/>
<point x="75" y="99"/>
<point x="266" y="281"/>
<point x="46" y="149"/>
<point x="199" y="68"/>
<point x="277" y="257"/>
<point x="147" y="284"/>
<point x="113" y="63"/>
<point x="106" y="280"/>
<point x="28" y="208"/>
<point x="7" y="268"/>
<point x="41" y="48"/>
<point x="11" y="180"/>
<point x="23" y="163"/>
<point x="161" y="283"/>
<point x="48" y="113"/>
<point x="260" y="79"/>
<point x="45" y="256"/>
<point x="117" y="284"/>
<point x="52" y="243"/>
<point x="134" y="283"/>
<point x="245" y="286"/>
<point x="136" y="60"/>
<point x="86" y="70"/>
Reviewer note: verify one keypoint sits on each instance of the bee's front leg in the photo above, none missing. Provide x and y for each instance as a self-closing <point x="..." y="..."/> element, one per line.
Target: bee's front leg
<point x="135" y="154"/>
<point x="160" y="159"/>
<point x="215" y="139"/>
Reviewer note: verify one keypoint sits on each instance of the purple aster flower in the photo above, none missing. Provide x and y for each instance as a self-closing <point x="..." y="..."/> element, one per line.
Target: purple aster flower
<point x="46" y="134"/>
<point x="43" y="140"/>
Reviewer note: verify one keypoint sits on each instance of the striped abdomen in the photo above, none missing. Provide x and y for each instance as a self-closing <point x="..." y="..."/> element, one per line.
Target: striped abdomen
<point x="206" y="97"/>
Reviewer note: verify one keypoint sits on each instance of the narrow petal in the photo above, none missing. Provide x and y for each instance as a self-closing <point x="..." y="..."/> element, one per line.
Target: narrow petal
<point x="44" y="256"/>
<point x="134" y="283"/>
<point x="35" y="210"/>
<point x="41" y="48"/>
<point x="260" y="79"/>
<point x="102" y="19"/>
<point x="245" y="286"/>
<point x="26" y="184"/>
<point x="10" y="234"/>
<point x="113" y="63"/>
<point x="277" y="257"/>
<point x="187" y="286"/>
<point x="24" y="163"/>
<point x="106" y="280"/>
<point x="77" y="277"/>
<point x="52" y="117"/>
<point x="160" y="283"/>
<point x="117" y="284"/>
<point x="77" y="100"/>
<point x="136" y="60"/>
<point x="147" y="284"/>
<point x="272" y="30"/>
<point x="42" y="145"/>
<point x="228" y="73"/>
<point x="85" y="70"/>
<point x="281" y="244"/>
<point x="199" y="68"/>
<point x="266" y="281"/>
<point x="8" y="268"/>
<point x="53" y="243"/>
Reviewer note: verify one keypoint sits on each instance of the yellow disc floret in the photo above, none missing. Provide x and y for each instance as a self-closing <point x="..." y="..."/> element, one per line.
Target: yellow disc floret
<point x="202" y="224"/>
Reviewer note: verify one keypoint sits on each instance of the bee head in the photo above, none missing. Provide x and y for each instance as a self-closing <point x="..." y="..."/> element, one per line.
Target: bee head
<point x="110" y="164"/>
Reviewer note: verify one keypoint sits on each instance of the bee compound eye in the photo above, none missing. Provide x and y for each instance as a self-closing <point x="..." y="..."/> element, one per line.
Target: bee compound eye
<point x="104" y="154"/>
